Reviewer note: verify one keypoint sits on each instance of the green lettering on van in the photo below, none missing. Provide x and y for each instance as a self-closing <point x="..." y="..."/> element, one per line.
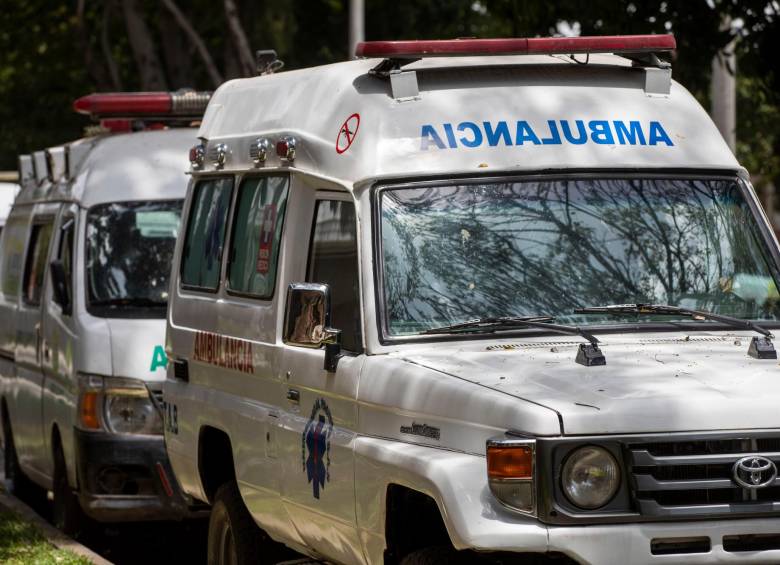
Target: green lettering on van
<point x="158" y="358"/>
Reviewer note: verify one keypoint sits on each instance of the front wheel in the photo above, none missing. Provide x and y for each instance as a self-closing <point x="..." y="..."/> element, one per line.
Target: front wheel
<point x="234" y="538"/>
<point x="66" y="510"/>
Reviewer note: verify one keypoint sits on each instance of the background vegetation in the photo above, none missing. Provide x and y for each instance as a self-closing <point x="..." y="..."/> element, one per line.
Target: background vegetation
<point x="53" y="51"/>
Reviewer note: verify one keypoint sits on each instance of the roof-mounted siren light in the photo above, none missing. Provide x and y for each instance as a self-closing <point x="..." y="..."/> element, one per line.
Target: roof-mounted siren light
<point x="516" y="46"/>
<point x="641" y="49"/>
<point x="166" y="106"/>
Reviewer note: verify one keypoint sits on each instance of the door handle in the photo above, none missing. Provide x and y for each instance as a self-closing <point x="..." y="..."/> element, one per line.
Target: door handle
<point x="294" y="395"/>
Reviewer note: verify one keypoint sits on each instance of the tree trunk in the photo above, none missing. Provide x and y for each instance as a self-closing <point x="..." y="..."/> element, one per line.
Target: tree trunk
<point x="197" y="42"/>
<point x="105" y="46"/>
<point x="246" y="59"/>
<point x="146" y="59"/>
<point x="94" y="68"/>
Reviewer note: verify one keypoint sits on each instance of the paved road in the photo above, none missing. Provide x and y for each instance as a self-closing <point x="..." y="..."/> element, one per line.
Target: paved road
<point x="147" y="543"/>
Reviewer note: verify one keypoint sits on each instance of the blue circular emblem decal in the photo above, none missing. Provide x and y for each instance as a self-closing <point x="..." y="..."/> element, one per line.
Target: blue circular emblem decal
<point x="315" y="446"/>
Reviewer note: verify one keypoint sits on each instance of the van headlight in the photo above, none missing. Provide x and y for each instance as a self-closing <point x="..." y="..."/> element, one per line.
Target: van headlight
<point x="118" y="405"/>
<point x="511" y="466"/>
<point x="590" y="477"/>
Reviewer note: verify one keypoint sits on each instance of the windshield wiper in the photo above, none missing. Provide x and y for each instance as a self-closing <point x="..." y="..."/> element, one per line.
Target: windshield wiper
<point x="760" y="348"/>
<point x="588" y="354"/>
<point x="129" y="302"/>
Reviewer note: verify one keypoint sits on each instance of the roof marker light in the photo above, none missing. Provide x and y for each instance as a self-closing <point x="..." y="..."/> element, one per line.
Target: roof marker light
<point x="517" y="46"/>
<point x="197" y="156"/>
<point x="185" y="103"/>
<point x="285" y="148"/>
<point x="259" y="151"/>
<point x="220" y="155"/>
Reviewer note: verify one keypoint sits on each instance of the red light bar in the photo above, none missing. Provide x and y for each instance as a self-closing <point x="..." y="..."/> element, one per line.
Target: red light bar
<point x="143" y="104"/>
<point x="516" y="46"/>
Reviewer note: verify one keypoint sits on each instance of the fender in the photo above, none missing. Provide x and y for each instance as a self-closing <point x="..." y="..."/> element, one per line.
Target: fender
<point x="458" y="484"/>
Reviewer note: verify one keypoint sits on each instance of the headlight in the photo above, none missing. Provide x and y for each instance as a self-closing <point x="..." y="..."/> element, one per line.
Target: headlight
<point x="590" y="477"/>
<point x="118" y="405"/>
<point x="511" y="464"/>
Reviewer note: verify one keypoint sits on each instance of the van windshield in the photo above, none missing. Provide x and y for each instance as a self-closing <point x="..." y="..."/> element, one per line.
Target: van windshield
<point x="456" y="252"/>
<point x="129" y="254"/>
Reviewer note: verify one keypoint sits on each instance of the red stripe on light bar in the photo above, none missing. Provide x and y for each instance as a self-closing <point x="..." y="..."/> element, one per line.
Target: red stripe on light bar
<point x="125" y="104"/>
<point x="517" y="46"/>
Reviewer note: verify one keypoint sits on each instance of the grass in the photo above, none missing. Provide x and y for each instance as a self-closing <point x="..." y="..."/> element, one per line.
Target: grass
<point x="22" y="544"/>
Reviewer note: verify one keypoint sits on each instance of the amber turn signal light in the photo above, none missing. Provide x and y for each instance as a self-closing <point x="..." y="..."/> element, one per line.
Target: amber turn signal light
<point x="89" y="410"/>
<point x="510" y="462"/>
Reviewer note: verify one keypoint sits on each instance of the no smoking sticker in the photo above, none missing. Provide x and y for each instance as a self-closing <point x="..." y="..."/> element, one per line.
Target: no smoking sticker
<point x="347" y="133"/>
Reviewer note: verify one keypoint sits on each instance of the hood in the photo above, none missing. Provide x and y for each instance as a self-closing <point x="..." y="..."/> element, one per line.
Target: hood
<point x="137" y="348"/>
<point x="651" y="383"/>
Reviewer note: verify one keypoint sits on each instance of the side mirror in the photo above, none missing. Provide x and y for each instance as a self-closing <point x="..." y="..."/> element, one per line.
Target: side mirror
<point x="60" y="285"/>
<point x="307" y="321"/>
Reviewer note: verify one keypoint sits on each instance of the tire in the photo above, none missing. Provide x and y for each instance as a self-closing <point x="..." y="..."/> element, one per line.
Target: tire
<point x="67" y="514"/>
<point x="437" y="556"/>
<point x="234" y="538"/>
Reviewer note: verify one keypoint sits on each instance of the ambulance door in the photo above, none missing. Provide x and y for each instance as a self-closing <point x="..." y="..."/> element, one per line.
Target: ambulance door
<point x="247" y="342"/>
<point x="28" y="427"/>
<point x="59" y="339"/>
<point x="319" y="420"/>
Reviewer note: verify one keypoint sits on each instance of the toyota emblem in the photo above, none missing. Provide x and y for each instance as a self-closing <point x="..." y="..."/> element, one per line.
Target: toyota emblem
<point x="754" y="472"/>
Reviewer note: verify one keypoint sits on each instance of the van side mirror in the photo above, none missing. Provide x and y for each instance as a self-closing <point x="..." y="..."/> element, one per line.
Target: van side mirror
<point x="307" y="321"/>
<point x="60" y="285"/>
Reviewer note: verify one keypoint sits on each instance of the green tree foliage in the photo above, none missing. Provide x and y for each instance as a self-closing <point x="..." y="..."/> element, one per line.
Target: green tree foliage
<point x="52" y="51"/>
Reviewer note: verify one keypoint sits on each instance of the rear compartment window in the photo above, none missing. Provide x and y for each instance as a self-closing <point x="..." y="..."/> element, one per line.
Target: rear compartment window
<point x="206" y="228"/>
<point x="35" y="266"/>
<point x="257" y="234"/>
<point x="12" y="253"/>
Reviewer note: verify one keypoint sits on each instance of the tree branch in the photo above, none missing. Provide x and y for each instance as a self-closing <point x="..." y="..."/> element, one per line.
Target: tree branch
<point x="196" y="40"/>
<point x="245" y="57"/>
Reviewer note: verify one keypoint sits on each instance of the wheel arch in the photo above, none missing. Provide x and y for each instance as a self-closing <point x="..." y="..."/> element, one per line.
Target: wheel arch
<point x="215" y="460"/>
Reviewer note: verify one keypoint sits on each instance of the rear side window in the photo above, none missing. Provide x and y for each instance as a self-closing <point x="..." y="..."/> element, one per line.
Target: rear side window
<point x="257" y="233"/>
<point x="205" y="238"/>
<point x="35" y="265"/>
<point x="12" y="253"/>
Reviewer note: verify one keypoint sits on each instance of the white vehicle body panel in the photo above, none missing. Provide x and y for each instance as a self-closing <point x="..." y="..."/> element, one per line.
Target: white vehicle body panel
<point x="466" y="390"/>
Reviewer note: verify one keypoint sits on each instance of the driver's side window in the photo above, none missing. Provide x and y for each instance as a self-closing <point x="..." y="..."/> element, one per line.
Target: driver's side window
<point x="333" y="260"/>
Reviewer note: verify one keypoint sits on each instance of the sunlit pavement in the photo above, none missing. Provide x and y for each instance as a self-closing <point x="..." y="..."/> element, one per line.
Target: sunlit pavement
<point x="144" y="543"/>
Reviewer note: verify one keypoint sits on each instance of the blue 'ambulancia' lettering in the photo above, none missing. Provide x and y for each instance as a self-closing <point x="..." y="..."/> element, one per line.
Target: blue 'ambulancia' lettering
<point x="554" y="132"/>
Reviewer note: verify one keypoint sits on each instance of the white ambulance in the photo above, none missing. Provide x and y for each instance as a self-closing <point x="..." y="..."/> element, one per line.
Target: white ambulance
<point x="484" y="301"/>
<point x="84" y="266"/>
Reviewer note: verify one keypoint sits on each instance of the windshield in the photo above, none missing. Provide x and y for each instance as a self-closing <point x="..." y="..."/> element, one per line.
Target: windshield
<point x="545" y="247"/>
<point x="129" y="255"/>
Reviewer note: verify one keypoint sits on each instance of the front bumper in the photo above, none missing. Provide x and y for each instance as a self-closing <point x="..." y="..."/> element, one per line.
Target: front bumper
<point x="128" y="479"/>
<point x="746" y="541"/>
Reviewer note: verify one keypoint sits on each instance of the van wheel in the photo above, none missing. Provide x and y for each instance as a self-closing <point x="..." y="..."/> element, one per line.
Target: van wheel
<point x="234" y="538"/>
<point x="67" y="514"/>
<point x="437" y="556"/>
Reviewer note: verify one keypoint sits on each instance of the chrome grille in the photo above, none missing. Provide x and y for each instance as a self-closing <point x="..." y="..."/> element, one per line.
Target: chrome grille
<point x="695" y="478"/>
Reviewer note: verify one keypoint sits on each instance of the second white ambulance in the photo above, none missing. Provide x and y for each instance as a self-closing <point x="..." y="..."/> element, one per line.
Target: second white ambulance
<point x="484" y="301"/>
<point x="84" y="266"/>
